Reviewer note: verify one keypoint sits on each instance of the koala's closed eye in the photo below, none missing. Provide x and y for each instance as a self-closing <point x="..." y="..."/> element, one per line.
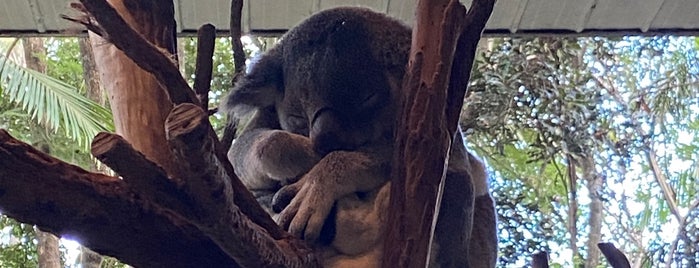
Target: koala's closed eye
<point x="372" y="100"/>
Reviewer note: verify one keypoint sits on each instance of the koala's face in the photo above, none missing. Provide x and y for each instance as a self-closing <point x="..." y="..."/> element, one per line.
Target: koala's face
<point x="333" y="78"/>
<point x="336" y="94"/>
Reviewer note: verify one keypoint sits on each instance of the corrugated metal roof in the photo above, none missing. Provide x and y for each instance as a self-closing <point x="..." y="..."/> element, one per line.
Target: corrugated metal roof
<point x="583" y="17"/>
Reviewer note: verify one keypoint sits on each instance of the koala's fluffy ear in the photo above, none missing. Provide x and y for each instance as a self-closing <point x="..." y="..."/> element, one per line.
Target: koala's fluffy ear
<point x="261" y="87"/>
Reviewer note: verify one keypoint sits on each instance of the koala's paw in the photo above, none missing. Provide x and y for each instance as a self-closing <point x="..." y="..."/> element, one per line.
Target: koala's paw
<point x="305" y="215"/>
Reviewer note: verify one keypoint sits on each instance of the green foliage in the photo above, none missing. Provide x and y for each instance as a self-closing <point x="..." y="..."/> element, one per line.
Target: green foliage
<point x="53" y="102"/>
<point x="17" y="244"/>
<point x="537" y="104"/>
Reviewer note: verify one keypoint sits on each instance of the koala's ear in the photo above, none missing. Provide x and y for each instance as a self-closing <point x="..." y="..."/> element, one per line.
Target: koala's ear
<point x="261" y="87"/>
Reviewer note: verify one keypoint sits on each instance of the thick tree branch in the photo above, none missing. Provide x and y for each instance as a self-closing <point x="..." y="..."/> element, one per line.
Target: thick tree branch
<point x="189" y="135"/>
<point x="102" y="212"/>
<point x="142" y="175"/>
<point x="433" y="88"/>
<point x="103" y="19"/>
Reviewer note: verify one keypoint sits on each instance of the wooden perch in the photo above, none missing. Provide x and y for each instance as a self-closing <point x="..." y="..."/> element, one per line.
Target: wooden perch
<point x="112" y="27"/>
<point x="102" y="212"/>
<point x="189" y="135"/>
<point x="433" y="88"/>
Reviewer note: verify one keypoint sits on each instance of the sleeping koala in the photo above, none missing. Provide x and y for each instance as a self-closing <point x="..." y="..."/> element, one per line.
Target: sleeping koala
<point x="317" y="149"/>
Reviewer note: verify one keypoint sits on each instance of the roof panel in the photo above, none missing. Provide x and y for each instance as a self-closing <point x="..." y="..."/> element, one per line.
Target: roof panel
<point x="555" y="15"/>
<point x="680" y="14"/>
<point x="51" y="14"/>
<point x="274" y="16"/>
<point x="623" y="14"/>
<point x="16" y="15"/>
<point x="373" y="4"/>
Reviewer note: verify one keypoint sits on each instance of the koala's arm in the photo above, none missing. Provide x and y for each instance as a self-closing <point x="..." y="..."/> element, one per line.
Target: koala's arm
<point x="466" y="226"/>
<point x="264" y="157"/>
<point x="337" y="175"/>
<point x="483" y="246"/>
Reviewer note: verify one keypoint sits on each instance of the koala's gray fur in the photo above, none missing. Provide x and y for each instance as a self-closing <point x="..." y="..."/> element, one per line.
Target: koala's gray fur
<point x="318" y="146"/>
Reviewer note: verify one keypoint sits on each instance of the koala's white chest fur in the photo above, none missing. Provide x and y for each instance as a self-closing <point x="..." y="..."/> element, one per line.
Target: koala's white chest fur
<point x="360" y="225"/>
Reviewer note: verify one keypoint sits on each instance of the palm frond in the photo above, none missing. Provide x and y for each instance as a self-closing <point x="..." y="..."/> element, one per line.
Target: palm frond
<point x="53" y="103"/>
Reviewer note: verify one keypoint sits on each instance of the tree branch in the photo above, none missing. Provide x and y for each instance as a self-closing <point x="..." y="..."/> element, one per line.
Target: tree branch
<point x="102" y="212"/>
<point x="434" y="88"/>
<point x="239" y="63"/>
<point x="209" y="186"/>
<point x="206" y="38"/>
<point x="142" y="175"/>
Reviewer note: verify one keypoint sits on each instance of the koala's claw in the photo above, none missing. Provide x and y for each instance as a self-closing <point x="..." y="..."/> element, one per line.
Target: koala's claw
<point x="283" y="197"/>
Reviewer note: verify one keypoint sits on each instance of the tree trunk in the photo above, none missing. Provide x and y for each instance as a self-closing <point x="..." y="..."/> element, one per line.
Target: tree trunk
<point x="594" y="187"/>
<point x="89" y="258"/>
<point x="139" y="103"/>
<point x="90" y="74"/>
<point x="445" y="38"/>
<point x="572" y="224"/>
<point x="47" y="244"/>
<point x="47" y="249"/>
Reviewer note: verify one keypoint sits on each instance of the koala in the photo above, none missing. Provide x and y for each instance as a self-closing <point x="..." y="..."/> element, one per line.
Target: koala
<point x="317" y="149"/>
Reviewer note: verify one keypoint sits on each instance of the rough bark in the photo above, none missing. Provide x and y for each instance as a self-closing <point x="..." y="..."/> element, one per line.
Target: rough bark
<point x="89" y="258"/>
<point x="433" y="88"/>
<point x="206" y="36"/>
<point x="47" y="249"/>
<point x="573" y="206"/>
<point x="90" y="74"/>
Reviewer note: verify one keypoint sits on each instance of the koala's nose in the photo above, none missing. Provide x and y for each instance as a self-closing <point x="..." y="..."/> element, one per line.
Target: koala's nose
<point x="326" y="132"/>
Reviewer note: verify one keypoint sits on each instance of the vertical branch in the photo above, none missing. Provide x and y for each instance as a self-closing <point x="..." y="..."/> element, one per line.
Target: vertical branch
<point x="236" y="34"/>
<point x="239" y="62"/>
<point x="433" y="88"/>
<point x="206" y="38"/>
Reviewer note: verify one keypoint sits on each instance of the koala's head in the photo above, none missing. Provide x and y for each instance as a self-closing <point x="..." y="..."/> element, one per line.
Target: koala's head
<point x="333" y="78"/>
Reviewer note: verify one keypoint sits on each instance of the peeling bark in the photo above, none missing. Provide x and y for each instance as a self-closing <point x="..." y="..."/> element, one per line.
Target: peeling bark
<point x="433" y="88"/>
